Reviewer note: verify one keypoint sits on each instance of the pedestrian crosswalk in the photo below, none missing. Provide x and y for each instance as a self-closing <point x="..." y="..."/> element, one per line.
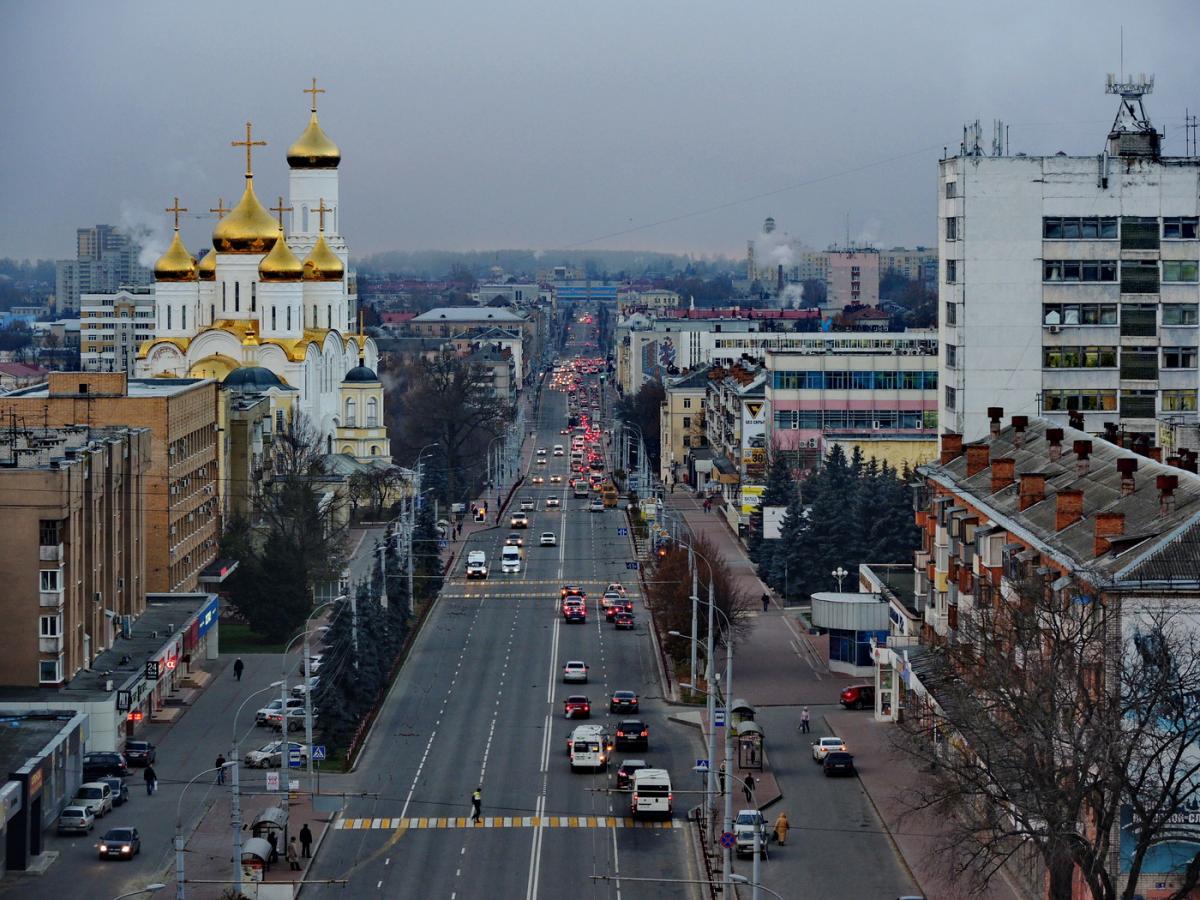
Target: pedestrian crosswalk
<point x="390" y="824"/>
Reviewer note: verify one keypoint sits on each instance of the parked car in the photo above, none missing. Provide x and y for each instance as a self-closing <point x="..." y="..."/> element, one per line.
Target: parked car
<point x="302" y="689"/>
<point x="838" y="762"/>
<point x="577" y="706"/>
<point x="120" y="843"/>
<point x="263" y="715"/>
<point x="76" y="820"/>
<point x="857" y="696"/>
<point x="139" y="753"/>
<point x="120" y="790"/>
<point x="270" y="756"/>
<point x="625" y="773"/>
<point x="104" y="762"/>
<point x="295" y="719"/>
<point x="95" y="796"/>
<point x="826" y="745"/>
<point x="623" y="701"/>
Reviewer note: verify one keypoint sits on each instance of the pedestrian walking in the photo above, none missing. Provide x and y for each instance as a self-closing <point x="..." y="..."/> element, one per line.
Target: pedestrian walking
<point x="293" y="855"/>
<point x="306" y="842"/>
<point x="273" y="840"/>
<point x="804" y="720"/>
<point x="721" y="776"/>
<point x="220" y="766"/>
<point x="151" y="778"/>
<point x="476" y="804"/>
<point x="766" y="601"/>
<point x="238" y="668"/>
<point x="748" y="788"/>
<point x="781" y="829"/>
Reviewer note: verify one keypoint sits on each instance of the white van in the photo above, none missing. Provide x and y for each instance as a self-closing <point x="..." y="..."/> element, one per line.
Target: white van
<point x="651" y="793"/>
<point x="589" y="748"/>
<point x="477" y="564"/>
<point x="510" y="560"/>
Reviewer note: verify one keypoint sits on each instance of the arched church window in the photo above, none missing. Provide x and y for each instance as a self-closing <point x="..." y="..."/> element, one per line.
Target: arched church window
<point x="237" y="296"/>
<point x="272" y="317"/>
<point x="223" y="306"/>
<point x="289" y="318"/>
<point x="253" y="297"/>
<point x="304" y="210"/>
<point x="372" y="412"/>
<point x="183" y="318"/>
<point x="168" y="317"/>
<point x="350" y="413"/>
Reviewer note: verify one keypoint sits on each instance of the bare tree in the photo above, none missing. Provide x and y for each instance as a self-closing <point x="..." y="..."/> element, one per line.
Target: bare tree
<point x="378" y="487"/>
<point x="1063" y="722"/>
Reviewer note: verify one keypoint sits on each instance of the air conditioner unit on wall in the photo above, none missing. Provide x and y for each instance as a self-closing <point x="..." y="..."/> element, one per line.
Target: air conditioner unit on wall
<point x="1054" y="329"/>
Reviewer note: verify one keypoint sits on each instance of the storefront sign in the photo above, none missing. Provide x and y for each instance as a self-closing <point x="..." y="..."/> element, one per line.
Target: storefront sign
<point x="35" y="782"/>
<point x="209" y="614"/>
<point x="751" y="497"/>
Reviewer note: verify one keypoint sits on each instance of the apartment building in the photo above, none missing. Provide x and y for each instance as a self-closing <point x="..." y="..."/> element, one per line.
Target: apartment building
<point x="106" y="259"/>
<point x="853" y="278"/>
<point x="874" y="391"/>
<point x="681" y="425"/>
<point x="735" y="418"/>
<point x="1071" y="283"/>
<point x="112" y="327"/>
<point x="916" y="264"/>
<point x="182" y="514"/>
<point x="73" y="549"/>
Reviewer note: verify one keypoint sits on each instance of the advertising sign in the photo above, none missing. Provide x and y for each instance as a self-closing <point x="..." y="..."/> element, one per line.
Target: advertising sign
<point x="773" y="521"/>
<point x="751" y="497"/>
<point x="207" y="617"/>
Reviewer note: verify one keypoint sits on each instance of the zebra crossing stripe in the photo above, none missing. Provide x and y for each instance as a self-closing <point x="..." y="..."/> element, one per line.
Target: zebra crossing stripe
<point x="442" y="823"/>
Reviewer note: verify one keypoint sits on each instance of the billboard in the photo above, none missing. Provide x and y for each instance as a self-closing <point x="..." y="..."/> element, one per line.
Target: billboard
<point x="751" y="497"/>
<point x="773" y="521"/>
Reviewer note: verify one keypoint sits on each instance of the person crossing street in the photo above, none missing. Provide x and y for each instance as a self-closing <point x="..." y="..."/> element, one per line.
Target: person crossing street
<point x="476" y="805"/>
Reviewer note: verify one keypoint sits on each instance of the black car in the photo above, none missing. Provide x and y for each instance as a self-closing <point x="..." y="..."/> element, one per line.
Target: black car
<point x="120" y="791"/>
<point x="633" y="733"/>
<point x="139" y="753"/>
<point x="100" y="763"/>
<point x="623" y="620"/>
<point x="625" y="773"/>
<point x="838" y="763"/>
<point x="623" y="701"/>
<point x="120" y="843"/>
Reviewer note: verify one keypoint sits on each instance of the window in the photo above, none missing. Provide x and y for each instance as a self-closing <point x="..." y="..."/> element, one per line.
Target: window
<point x="212" y="313"/>
<point x="50" y="626"/>
<point x="1096" y="357"/>
<point x="350" y="413"/>
<point x="1077" y="228"/>
<point x="50" y="671"/>
<point x="1139" y="362"/>
<point x="1077" y="270"/>
<point x="1179" y="400"/>
<point x="951" y="397"/>
<point x="951" y="228"/>
<point x="951" y="313"/>
<point x="1180" y="270"/>
<point x="272" y="317"/>
<point x="1069" y="400"/>
<point x="253" y="297"/>
<point x="50" y="532"/>
<point x="951" y="190"/>
<point x="51" y="580"/>
<point x="237" y="296"/>
<point x="1179" y="357"/>
<point x="289" y="318"/>
<point x="687" y="421"/>
<point x="951" y="271"/>
<point x="1138" y="320"/>
<point x="1137" y="404"/>
<point x="1079" y="313"/>
<point x="951" y="356"/>
<point x="169" y="317"/>
<point x="1139" y="233"/>
<point x="372" y="412"/>
<point x="1180" y="228"/>
<point x="183" y="318"/>
<point x="687" y="402"/>
<point x="329" y="316"/>
<point x="1180" y="313"/>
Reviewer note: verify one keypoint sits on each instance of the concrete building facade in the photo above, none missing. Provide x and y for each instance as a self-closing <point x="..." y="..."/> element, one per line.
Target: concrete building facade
<point x="112" y="327"/>
<point x="106" y="260"/>
<point x="853" y="278"/>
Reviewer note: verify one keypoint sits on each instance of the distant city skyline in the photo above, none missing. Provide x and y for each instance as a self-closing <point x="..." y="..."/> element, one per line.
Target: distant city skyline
<point x="539" y="126"/>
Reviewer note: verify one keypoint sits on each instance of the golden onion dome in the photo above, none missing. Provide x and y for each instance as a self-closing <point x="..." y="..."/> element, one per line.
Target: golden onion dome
<point x="207" y="270"/>
<point x="313" y="149"/>
<point x="248" y="228"/>
<point x="281" y="263"/>
<point x="176" y="264"/>
<point x="322" y="263"/>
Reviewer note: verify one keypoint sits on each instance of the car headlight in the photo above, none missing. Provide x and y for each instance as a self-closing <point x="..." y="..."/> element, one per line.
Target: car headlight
<point x="125" y="849"/>
<point x="103" y="848"/>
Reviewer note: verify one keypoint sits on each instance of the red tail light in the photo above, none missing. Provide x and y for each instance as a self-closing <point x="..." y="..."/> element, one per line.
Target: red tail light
<point x="635" y="796"/>
<point x="645" y="734"/>
<point x="671" y="798"/>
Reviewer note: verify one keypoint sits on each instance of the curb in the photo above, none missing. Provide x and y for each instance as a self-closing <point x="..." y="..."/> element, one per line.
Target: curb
<point x="299" y="886"/>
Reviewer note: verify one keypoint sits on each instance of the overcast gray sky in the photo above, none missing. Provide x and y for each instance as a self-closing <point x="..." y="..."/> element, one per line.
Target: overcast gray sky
<point x="552" y="123"/>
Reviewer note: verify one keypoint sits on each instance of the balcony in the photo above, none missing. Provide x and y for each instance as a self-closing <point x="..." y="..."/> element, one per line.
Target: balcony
<point x="50" y="552"/>
<point x="50" y="599"/>
<point x="50" y="644"/>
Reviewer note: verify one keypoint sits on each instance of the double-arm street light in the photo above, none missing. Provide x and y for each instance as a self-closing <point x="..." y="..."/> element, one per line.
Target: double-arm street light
<point x="235" y="796"/>
<point x="237" y="838"/>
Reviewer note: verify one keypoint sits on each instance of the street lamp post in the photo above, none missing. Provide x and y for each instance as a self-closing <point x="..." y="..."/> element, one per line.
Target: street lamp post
<point x="308" y="706"/>
<point x="235" y="795"/>
<point x="839" y="573"/>
<point x="237" y="843"/>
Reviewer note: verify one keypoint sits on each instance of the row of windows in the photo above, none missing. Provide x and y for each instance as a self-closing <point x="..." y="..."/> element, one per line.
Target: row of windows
<point x="1079" y="270"/>
<point x="1132" y="403"/>
<point x="373" y="413"/>
<point x="814" y="419"/>
<point x="1173" y="271"/>
<point x="1090" y="228"/>
<point x="1079" y="357"/>
<point x="1112" y="313"/>
<point x="889" y="380"/>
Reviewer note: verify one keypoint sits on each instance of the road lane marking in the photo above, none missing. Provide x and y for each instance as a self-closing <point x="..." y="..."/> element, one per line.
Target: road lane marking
<point x="536" y="823"/>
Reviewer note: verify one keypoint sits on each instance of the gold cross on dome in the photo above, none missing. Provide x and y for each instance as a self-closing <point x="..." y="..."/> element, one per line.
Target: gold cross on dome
<point x="314" y="90"/>
<point x="177" y="209"/>
<point x="281" y="209"/>
<point x="221" y="208"/>
<point x="321" y="210"/>
<point x="249" y="144"/>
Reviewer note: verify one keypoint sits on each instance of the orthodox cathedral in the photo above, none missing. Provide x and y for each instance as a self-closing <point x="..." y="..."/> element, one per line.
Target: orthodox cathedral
<point x="273" y="306"/>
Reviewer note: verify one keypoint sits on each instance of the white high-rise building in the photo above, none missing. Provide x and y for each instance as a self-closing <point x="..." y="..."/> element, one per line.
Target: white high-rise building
<point x="1070" y="283"/>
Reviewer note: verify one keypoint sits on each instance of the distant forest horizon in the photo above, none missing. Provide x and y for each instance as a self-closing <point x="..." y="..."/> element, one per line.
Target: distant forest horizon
<point x="435" y="264"/>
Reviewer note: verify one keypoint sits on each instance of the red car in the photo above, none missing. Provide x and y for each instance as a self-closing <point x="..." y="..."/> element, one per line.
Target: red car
<point x="858" y="696"/>
<point x="577" y="706"/>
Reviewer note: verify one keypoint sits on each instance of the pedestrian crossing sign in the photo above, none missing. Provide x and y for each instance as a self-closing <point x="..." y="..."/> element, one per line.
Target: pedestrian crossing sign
<point x="318" y="752"/>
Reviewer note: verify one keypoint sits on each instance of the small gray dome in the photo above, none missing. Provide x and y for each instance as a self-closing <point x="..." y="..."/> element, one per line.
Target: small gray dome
<point x="360" y="373"/>
<point x="252" y="378"/>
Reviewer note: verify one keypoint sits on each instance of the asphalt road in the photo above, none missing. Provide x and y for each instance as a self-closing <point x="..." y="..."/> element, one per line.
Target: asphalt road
<point x="479" y="704"/>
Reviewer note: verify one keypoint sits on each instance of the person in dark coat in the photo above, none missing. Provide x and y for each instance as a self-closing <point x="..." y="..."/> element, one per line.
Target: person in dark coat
<point x="748" y="787"/>
<point x="151" y="778"/>
<point x="306" y="842"/>
<point x="238" y="668"/>
<point x="273" y="856"/>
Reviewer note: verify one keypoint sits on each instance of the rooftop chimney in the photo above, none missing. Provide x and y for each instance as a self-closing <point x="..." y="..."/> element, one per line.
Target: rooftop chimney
<point x="1055" y="437"/>
<point x="996" y="414"/>
<point x="952" y="447"/>
<point x="1003" y="473"/>
<point x="1108" y="524"/>
<point x="1155" y="453"/>
<point x="1166" y="485"/>
<point x="1083" y="449"/>
<point x="1068" y="508"/>
<point x="1032" y="489"/>
<point x="977" y="459"/>
<point x="1019" y="423"/>
<point x="1075" y="419"/>
<point x="1127" y="465"/>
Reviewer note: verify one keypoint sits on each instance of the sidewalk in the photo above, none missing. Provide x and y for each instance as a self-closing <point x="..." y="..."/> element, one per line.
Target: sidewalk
<point x="778" y="664"/>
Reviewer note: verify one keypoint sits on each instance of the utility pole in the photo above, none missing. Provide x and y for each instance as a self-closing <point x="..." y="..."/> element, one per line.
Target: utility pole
<point x="695" y="604"/>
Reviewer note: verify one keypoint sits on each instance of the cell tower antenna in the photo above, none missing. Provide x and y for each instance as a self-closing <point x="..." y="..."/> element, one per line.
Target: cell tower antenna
<point x="1131" y="133"/>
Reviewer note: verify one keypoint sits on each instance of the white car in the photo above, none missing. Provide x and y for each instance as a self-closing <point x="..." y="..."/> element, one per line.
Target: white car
<point x="270" y="756"/>
<point x="519" y="520"/>
<point x="615" y="586"/>
<point x="552" y="503"/>
<point x="538" y="479"/>
<point x="302" y="689"/>
<point x="75" y="819"/>
<point x="549" y="539"/>
<point x="597" y="505"/>
<point x="272" y="709"/>
<point x="749" y="821"/>
<point x="825" y="745"/>
<point x="556" y="479"/>
<point x="541" y="451"/>
<point x="575" y="670"/>
<point x="95" y="797"/>
<point x="528" y="504"/>
<point x="514" y="540"/>
<point x="558" y="449"/>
